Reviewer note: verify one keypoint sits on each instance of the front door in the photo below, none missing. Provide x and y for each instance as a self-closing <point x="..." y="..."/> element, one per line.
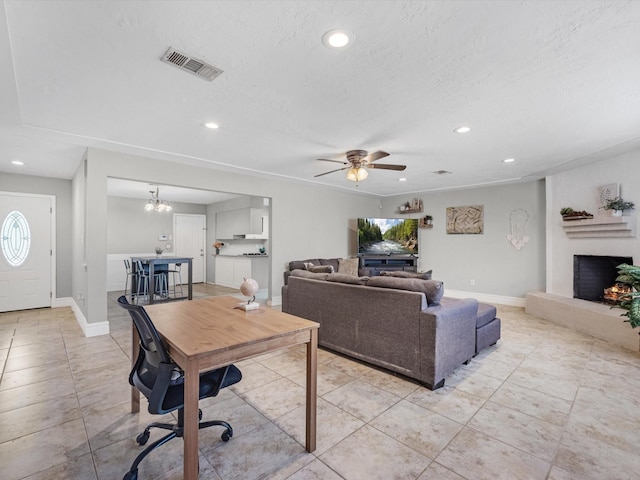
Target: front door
<point x="26" y="251"/>
<point x="190" y="237"/>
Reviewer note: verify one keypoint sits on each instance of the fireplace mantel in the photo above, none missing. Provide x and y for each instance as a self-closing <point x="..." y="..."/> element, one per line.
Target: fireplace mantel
<point x="601" y="226"/>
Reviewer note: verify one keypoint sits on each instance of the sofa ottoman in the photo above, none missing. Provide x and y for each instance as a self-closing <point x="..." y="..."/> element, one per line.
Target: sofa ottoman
<point x="487" y="327"/>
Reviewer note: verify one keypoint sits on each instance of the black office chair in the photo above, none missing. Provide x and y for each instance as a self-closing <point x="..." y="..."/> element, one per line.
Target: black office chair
<point x="162" y="382"/>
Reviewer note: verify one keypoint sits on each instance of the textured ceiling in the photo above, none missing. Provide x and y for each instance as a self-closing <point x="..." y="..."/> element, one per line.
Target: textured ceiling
<point x="551" y="84"/>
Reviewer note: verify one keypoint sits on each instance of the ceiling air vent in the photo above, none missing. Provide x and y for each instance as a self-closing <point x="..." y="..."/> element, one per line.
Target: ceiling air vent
<point x="189" y="64"/>
<point x="443" y="172"/>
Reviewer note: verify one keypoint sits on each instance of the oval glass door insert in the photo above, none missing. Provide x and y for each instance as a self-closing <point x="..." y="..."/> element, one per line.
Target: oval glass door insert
<point x="16" y="238"/>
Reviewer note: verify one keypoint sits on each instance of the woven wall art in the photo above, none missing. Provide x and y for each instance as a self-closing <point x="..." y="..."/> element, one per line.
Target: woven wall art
<point x="465" y="220"/>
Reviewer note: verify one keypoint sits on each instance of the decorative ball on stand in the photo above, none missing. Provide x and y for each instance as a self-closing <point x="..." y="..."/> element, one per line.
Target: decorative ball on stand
<point x="249" y="287"/>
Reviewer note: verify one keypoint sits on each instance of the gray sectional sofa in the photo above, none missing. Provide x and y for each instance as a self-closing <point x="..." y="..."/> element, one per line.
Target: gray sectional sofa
<point x="400" y="324"/>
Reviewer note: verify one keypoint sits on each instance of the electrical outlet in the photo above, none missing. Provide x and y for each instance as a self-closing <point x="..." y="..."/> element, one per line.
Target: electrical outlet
<point x="472" y="281"/>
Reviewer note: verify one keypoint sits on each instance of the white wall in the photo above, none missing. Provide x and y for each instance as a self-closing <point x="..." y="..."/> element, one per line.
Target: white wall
<point x="487" y="259"/>
<point x="578" y="189"/>
<point x="132" y="229"/>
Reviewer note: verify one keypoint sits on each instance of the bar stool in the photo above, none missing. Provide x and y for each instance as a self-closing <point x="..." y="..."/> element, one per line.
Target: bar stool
<point x="159" y="281"/>
<point x="177" y="270"/>
<point x="130" y="274"/>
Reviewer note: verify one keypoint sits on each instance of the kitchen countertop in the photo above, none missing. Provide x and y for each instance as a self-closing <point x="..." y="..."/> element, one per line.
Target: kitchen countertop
<point x="240" y="255"/>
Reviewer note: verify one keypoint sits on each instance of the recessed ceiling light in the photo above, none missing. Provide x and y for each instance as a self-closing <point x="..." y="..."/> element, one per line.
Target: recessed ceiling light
<point x="335" y="39"/>
<point x="211" y="125"/>
<point x="402" y="179"/>
<point x="508" y="160"/>
<point x="462" y="130"/>
<point x="18" y="162"/>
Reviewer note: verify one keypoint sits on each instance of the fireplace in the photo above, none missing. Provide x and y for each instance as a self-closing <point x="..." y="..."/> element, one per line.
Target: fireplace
<point x="592" y="274"/>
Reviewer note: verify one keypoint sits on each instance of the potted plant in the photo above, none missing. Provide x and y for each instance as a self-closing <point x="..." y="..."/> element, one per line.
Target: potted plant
<point x="159" y="251"/>
<point x="617" y="205"/>
<point x="428" y="219"/>
<point x="630" y="275"/>
<point x="569" y="213"/>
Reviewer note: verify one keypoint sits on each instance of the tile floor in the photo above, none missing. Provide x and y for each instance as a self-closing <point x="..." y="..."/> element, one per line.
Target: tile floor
<point x="545" y="403"/>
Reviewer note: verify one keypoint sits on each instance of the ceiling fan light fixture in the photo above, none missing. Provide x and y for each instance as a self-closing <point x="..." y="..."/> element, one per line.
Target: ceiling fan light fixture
<point x="335" y="39"/>
<point x="357" y="174"/>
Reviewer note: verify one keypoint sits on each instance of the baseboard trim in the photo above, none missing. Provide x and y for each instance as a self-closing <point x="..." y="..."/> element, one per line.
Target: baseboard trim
<point x="275" y="301"/>
<point x="89" y="329"/>
<point x="487" y="298"/>
<point x="62" y="302"/>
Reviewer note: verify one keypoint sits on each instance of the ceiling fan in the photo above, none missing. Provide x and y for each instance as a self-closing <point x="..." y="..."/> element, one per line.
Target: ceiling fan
<point x="357" y="163"/>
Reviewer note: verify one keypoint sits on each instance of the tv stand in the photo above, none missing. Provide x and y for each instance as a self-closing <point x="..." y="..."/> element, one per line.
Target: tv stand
<point x="372" y="265"/>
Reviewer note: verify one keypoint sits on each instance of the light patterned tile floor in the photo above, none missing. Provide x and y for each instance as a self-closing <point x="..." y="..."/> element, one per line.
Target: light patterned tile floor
<point x="545" y="403"/>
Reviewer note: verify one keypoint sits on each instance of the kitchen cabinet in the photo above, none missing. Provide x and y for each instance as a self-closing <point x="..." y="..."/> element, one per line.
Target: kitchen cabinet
<point x="239" y="222"/>
<point x="231" y="271"/>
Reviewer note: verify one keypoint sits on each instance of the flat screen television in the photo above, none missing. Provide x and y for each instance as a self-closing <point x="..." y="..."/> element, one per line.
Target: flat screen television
<point x="387" y="236"/>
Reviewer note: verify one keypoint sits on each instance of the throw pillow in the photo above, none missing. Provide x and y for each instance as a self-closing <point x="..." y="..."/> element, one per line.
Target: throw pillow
<point x="403" y="274"/>
<point x="348" y="266"/>
<point x="433" y="289"/>
<point x="320" y="268"/>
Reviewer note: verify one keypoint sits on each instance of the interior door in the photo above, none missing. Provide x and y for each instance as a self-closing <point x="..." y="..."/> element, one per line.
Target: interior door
<point x="189" y="241"/>
<point x="26" y="251"/>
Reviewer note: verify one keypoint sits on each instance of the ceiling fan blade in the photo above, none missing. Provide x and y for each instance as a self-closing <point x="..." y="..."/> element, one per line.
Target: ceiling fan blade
<point x="372" y="157"/>
<point x="387" y="166"/>
<point x="331" y="171"/>
<point x="334" y="161"/>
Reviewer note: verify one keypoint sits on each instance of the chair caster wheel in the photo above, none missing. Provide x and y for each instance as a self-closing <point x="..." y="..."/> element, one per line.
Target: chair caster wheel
<point x="131" y="475"/>
<point x="142" y="439"/>
<point x="226" y="436"/>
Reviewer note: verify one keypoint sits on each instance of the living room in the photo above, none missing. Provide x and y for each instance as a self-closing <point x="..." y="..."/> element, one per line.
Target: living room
<point x="313" y="218"/>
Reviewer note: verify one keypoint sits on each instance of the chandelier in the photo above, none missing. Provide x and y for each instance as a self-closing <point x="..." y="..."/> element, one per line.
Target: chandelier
<point x="156" y="204"/>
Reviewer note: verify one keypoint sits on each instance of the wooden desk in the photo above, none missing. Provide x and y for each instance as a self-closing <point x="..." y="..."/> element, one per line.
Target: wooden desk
<point x="153" y="261"/>
<point x="209" y="333"/>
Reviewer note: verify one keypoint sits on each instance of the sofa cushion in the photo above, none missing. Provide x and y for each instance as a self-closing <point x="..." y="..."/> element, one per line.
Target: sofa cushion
<point x="486" y="313"/>
<point x="344" y="278"/>
<point x="306" y="274"/>
<point x="320" y="268"/>
<point x="433" y="289"/>
<point x="348" y="266"/>
<point x="403" y="274"/>
<point x="299" y="264"/>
